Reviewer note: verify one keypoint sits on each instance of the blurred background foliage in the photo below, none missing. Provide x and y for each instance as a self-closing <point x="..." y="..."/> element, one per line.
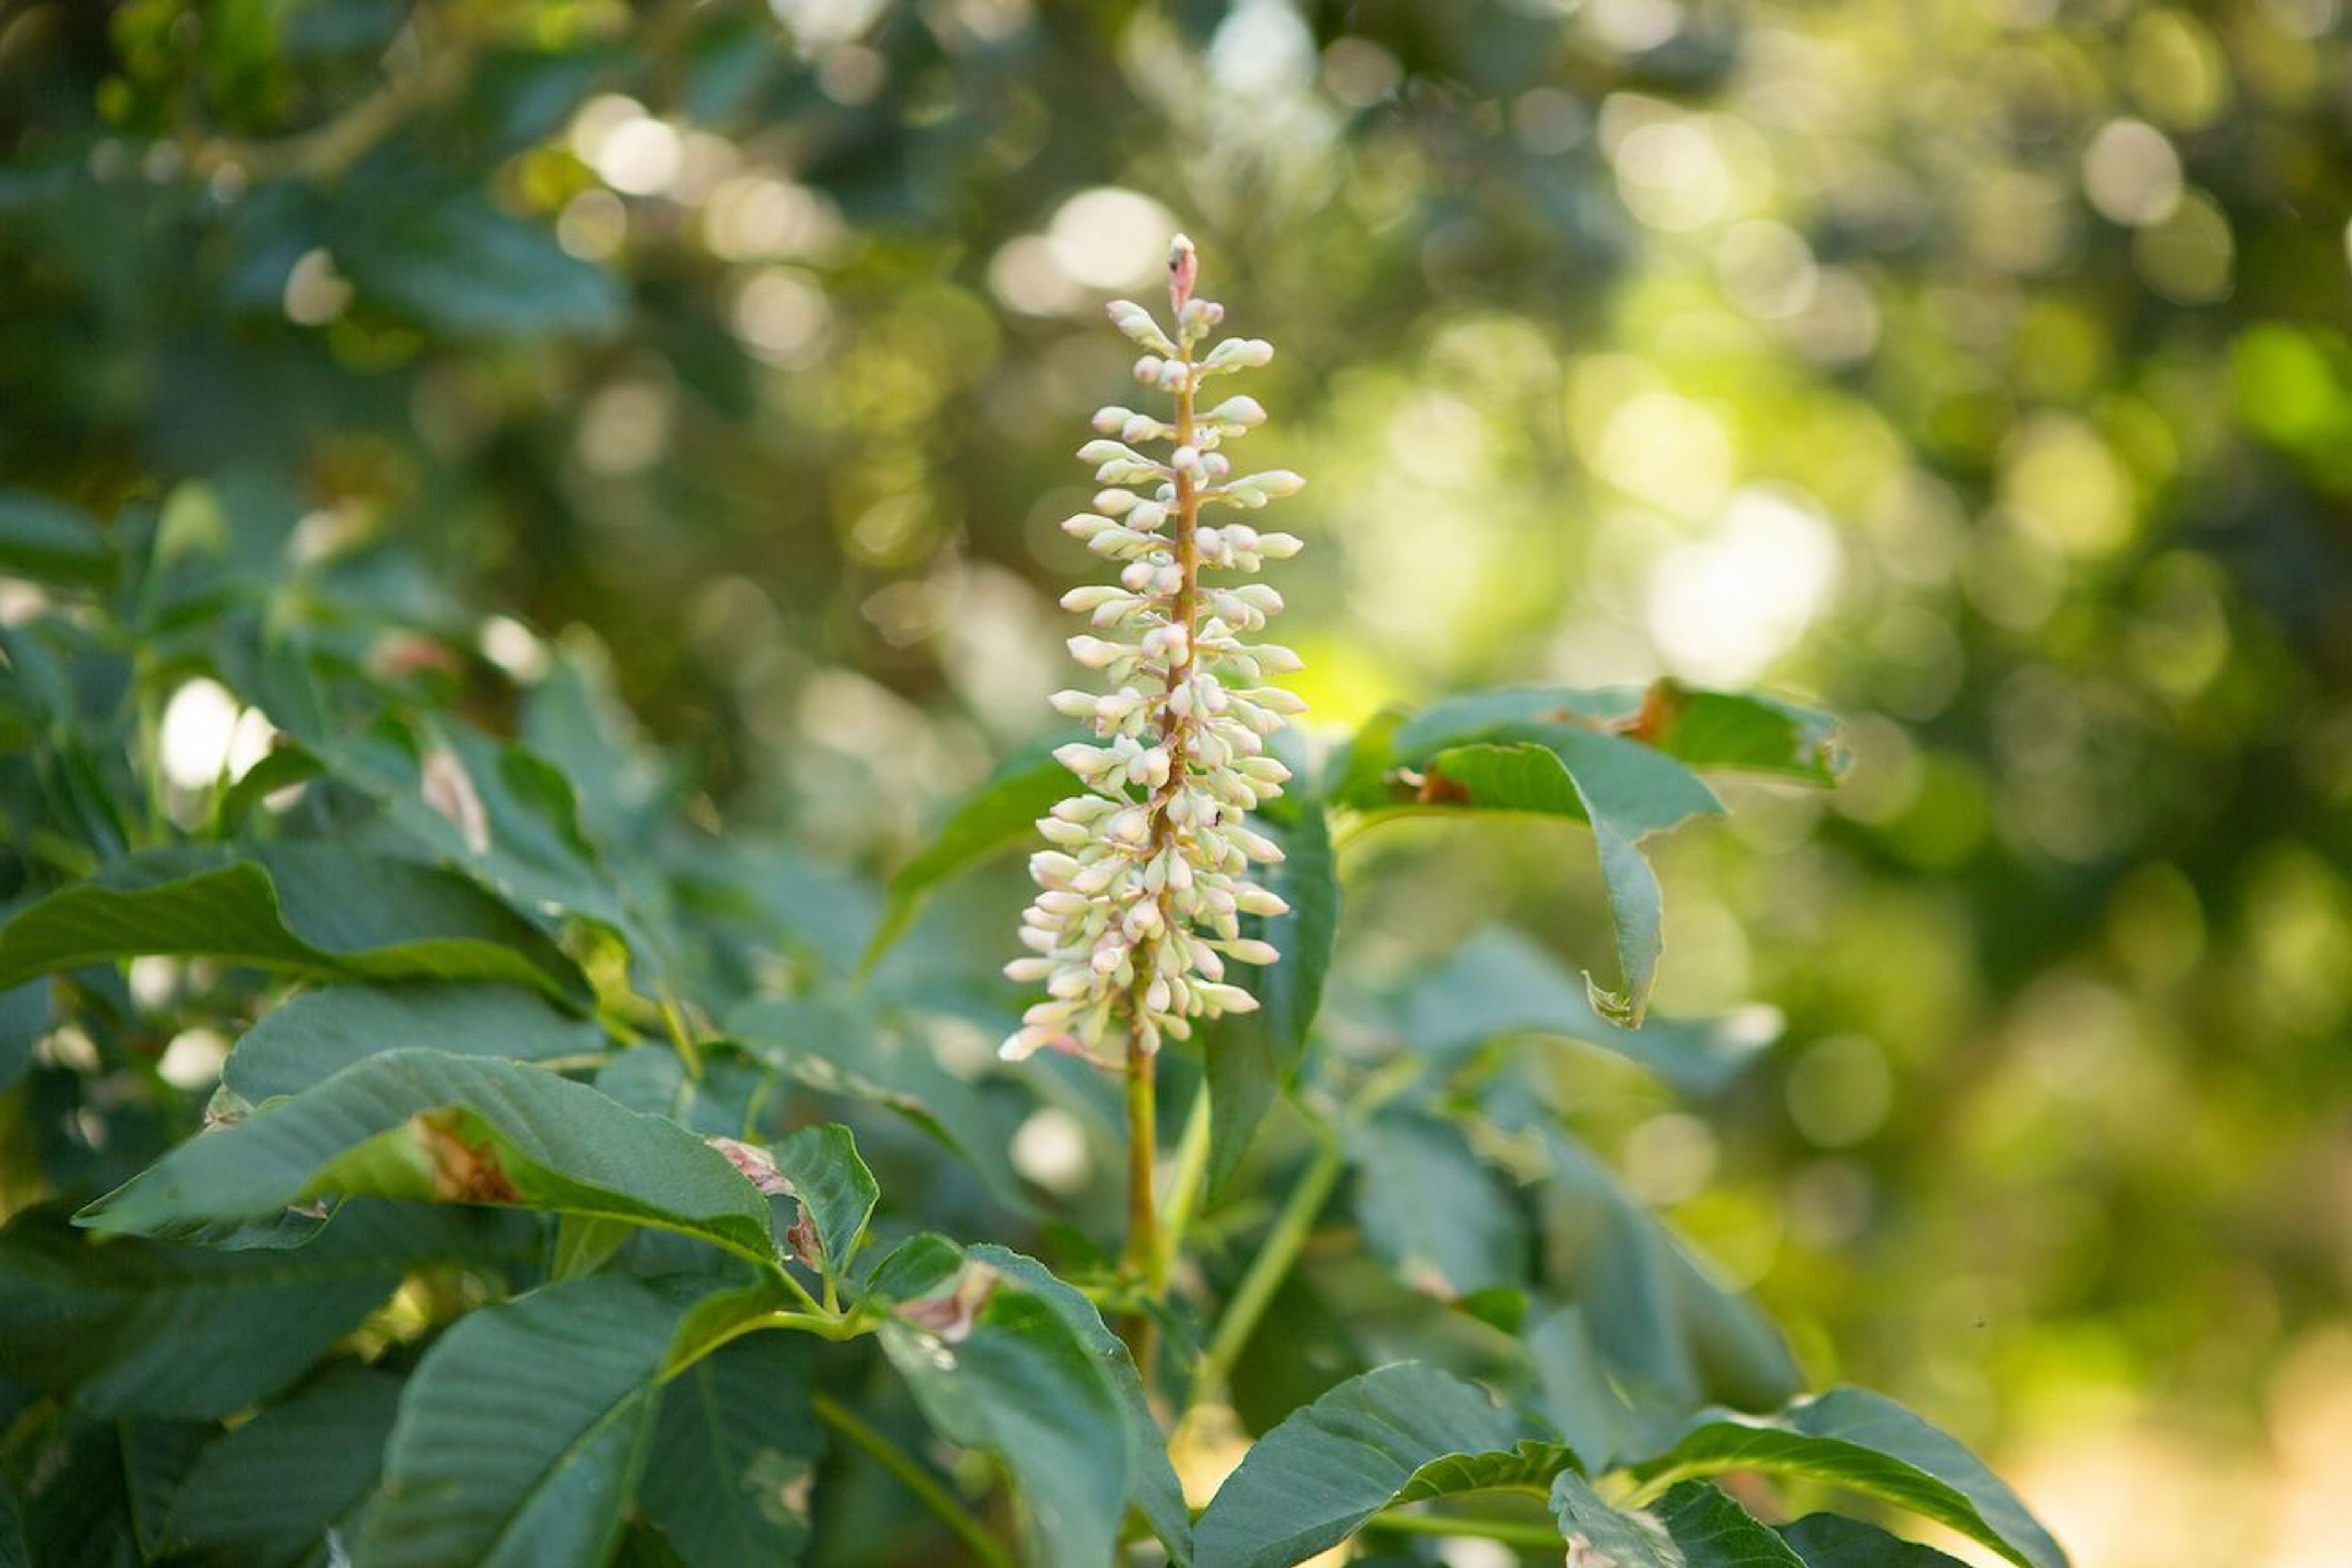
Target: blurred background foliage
<point x="1975" y="367"/>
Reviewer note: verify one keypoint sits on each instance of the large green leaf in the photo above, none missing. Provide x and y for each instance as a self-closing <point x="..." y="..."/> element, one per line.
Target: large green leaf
<point x="131" y="1326"/>
<point x="48" y="541"/>
<point x="523" y="1431"/>
<point x="1692" y="1526"/>
<point x="1019" y="1382"/>
<point x="1834" y="1541"/>
<point x="1500" y="982"/>
<point x="310" y="1037"/>
<point x="269" y="1491"/>
<point x="1156" y="1492"/>
<point x="1431" y="1209"/>
<point x="1002" y="812"/>
<point x="732" y="1454"/>
<point x="500" y="1131"/>
<point x="1397" y="1433"/>
<point x="318" y="909"/>
<point x="1853" y="1438"/>
<point x="835" y="1190"/>
<point x="1250" y="1058"/>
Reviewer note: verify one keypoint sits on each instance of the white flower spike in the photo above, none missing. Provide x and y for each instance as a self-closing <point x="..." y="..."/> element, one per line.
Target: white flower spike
<point x="1141" y="894"/>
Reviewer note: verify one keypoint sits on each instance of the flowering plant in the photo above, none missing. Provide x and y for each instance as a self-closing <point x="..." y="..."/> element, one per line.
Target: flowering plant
<point x="433" y="1160"/>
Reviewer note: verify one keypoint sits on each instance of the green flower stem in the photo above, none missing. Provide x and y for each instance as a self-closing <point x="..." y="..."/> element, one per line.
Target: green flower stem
<point x="1184" y="1188"/>
<point x="913" y="1477"/>
<point x="1268" y="1270"/>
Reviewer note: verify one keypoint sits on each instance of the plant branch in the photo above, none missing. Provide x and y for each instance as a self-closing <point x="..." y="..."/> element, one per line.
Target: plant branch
<point x="1184" y="1189"/>
<point x="1268" y="1270"/>
<point x="911" y="1475"/>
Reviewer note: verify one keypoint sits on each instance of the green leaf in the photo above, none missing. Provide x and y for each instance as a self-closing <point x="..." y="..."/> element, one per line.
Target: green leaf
<point x="1834" y="1541"/>
<point x="269" y="1490"/>
<point x="1578" y="1392"/>
<point x="834" y="1186"/>
<point x="1725" y="729"/>
<point x="1741" y="732"/>
<point x="1156" y="1490"/>
<point x="1626" y="793"/>
<point x="1692" y="1526"/>
<point x="95" y="1492"/>
<point x="461" y="267"/>
<point x="1853" y="1438"/>
<point x="131" y="1326"/>
<point x="49" y="541"/>
<point x="1024" y="1386"/>
<point x="1500" y="982"/>
<point x="499" y="1131"/>
<point x="1595" y="1530"/>
<point x="317" y="910"/>
<point x="1250" y="1058"/>
<point x="733" y="1453"/>
<point x="1002" y="812"/>
<point x="1669" y="1335"/>
<point x="310" y="1036"/>
<point x="523" y="1431"/>
<point x="1397" y="1433"/>
<point x="1431" y="1209"/>
<point x="1540" y="751"/>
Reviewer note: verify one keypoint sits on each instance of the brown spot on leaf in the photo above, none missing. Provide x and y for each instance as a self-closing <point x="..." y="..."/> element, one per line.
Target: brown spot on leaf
<point x="1436" y="789"/>
<point x="952" y="1316"/>
<point x="464" y="1172"/>
<point x="806" y="1244"/>
<point x="1662" y="704"/>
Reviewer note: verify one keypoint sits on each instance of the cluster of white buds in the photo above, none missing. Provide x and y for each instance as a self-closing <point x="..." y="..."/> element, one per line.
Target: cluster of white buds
<point x="1149" y="871"/>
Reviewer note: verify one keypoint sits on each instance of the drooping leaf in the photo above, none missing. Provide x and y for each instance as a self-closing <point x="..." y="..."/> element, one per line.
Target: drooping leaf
<point x="49" y="541"/>
<point x="422" y="1124"/>
<point x="1250" y="1058"/>
<point x="1671" y="1336"/>
<point x="1397" y="1433"/>
<point x="1156" y="1492"/>
<point x="1018" y="1383"/>
<point x="1002" y="812"/>
<point x="1540" y="751"/>
<point x="1834" y="1541"/>
<point x="309" y="908"/>
<point x="834" y="1188"/>
<point x="1500" y="982"/>
<point x="1694" y="1525"/>
<point x="523" y="1431"/>
<point x="269" y="1490"/>
<point x="458" y="266"/>
<point x="1431" y="1209"/>
<point x="1852" y="1438"/>
<point x="1741" y="732"/>
<point x="733" y="1452"/>
<point x="310" y="1036"/>
<point x="1578" y="1391"/>
<point x="131" y="1326"/>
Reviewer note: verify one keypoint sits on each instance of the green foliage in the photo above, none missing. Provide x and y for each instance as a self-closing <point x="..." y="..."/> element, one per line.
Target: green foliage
<point x="578" y="1181"/>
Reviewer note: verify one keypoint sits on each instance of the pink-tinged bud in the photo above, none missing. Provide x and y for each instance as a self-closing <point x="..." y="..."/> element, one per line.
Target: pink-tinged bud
<point x="1184" y="271"/>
